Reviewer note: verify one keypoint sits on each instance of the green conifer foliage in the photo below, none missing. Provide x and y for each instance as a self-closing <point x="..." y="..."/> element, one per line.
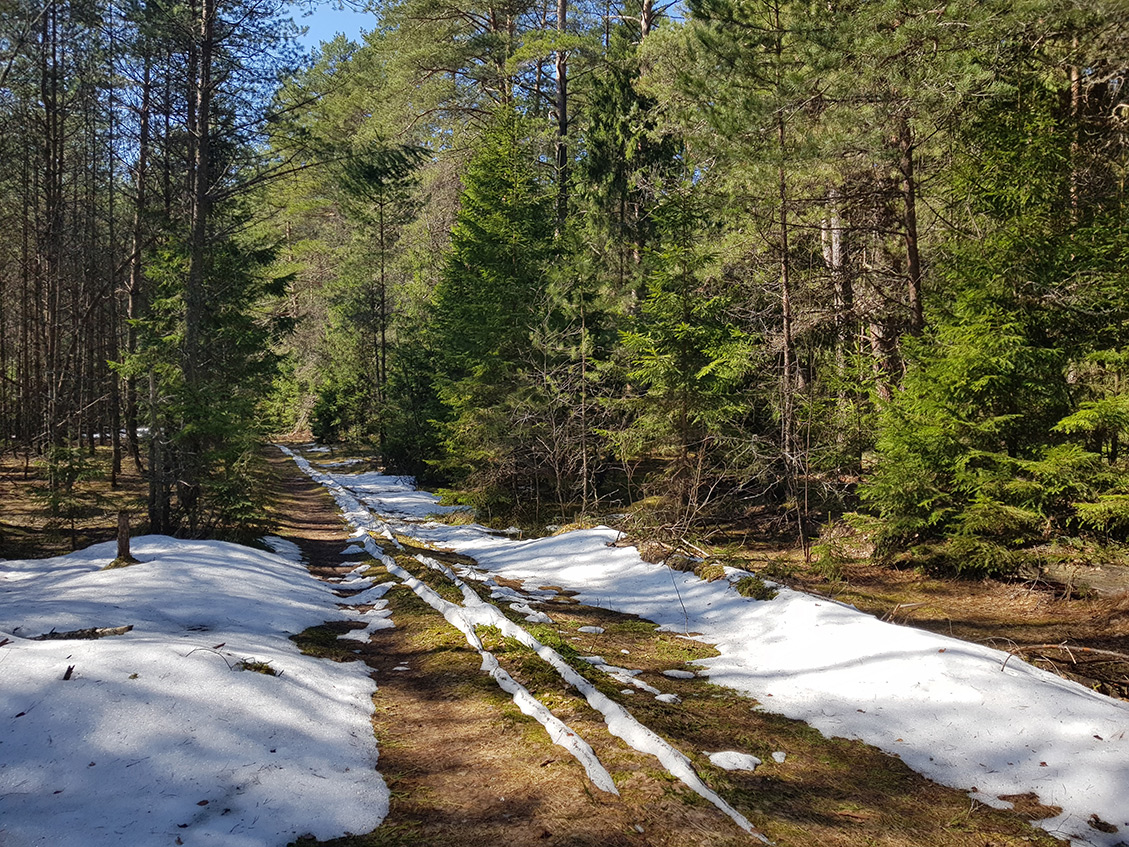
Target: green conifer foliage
<point x="484" y="304"/>
<point x="489" y="297"/>
<point x="994" y="443"/>
<point x="688" y="359"/>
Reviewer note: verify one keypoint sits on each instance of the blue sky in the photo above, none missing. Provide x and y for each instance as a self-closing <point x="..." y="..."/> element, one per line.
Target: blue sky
<point x="325" y="22"/>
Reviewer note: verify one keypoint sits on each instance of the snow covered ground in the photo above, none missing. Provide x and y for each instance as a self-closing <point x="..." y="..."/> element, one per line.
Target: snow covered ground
<point x="163" y="735"/>
<point x="962" y="714"/>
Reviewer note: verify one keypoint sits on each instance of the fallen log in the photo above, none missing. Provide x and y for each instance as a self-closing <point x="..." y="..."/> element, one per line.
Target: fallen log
<point x="84" y="634"/>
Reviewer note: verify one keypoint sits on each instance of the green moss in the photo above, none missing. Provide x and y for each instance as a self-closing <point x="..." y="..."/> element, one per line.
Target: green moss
<point x="754" y="587"/>
<point x="710" y="571"/>
<point x="635" y="626"/>
<point x="322" y="641"/>
<point x="256" y="666"/>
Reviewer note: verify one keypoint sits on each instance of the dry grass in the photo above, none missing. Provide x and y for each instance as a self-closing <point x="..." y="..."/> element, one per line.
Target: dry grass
<point x="27" y="530"/>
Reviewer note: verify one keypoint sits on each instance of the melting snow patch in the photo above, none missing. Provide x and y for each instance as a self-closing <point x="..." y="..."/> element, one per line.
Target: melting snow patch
<point x="593" y="630"/>
<point x="731" y="760"/>
<point x="283" y="547"/>
<point x="155" y="721"/>
<point x="355" y="582"/>
<point x="369" y="595"/>
<point x="531" y="614"/>
<point x="672" y="699"/>
<point x="378" y="618"/>
<point x="779" y="757"/>
<point x="627" y="677"/>
<point x="677" y="674"/>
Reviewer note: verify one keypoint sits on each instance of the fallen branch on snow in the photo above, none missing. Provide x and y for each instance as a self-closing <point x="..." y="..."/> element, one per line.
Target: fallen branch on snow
<point x="84" y="634"/>
<point x="1065" y="648"/>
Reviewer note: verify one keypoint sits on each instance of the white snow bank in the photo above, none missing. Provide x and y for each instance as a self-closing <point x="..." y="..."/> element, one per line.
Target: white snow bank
<point x="731" y="760"/>
<point x="283" y="547"/>
<point x="394" y="495"/>
<point x="158" y="735"/>
<point x="948" y="708"/>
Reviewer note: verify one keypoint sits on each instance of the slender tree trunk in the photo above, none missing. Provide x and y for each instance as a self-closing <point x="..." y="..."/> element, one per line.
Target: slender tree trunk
<point x="584" y="472"/>
<point x="787" y="382"/>
<point x="382" y="362"/>
<point x="188" y="485"/>
<point x="562" y="120"/>
<point x="201" y="198"/>
<point x="50" y="249"/>
<point x="834" y="259"/>
<point x="909" y="203"/>
<point x="159" y="506"/>
<point x="136" y="266"/>
<point x="1075" y="133"/>
<point x="883" y="357"/>
<point x="113" y="337"/>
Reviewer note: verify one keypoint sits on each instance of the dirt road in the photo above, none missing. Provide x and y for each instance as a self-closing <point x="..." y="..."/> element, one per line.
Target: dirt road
<point x="466" y="768"/>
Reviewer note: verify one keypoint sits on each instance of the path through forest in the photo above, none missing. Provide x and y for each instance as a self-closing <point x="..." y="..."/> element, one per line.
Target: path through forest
<point x="465" y="767"/>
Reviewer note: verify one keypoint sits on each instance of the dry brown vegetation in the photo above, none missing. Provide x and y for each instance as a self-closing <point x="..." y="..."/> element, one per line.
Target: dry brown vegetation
<point x="28" y="531"/>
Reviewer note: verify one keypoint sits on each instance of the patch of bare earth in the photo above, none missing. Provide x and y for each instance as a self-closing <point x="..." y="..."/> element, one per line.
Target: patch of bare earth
<point x="466" y="768"/>
<point x="28" y="531"/>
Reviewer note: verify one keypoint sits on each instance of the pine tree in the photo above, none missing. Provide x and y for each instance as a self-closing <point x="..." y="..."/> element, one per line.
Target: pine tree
<point x="994" y="442"/>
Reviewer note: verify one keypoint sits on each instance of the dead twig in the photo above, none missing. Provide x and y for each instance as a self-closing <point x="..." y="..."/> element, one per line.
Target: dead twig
<point x="902" y="607"/>
<point x="84" y="634"/>
<point x="230" y="666"/>
<point x="1070" y="651"/>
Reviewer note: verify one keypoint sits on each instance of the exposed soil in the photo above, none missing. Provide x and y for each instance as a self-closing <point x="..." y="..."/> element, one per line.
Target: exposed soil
<point x="27" y="531"/>
<point x="465" y="767"/>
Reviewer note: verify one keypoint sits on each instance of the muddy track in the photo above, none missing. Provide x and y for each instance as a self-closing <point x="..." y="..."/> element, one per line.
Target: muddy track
<point x="466" y="768"/>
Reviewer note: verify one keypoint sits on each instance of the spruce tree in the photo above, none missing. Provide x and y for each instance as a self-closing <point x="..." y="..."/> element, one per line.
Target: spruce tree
<point x="488" y="300"/>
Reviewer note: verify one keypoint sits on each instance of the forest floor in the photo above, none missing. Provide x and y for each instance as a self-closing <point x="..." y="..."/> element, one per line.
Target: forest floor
<point x="26" y="530"/>
<point x="465" y="767"/>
